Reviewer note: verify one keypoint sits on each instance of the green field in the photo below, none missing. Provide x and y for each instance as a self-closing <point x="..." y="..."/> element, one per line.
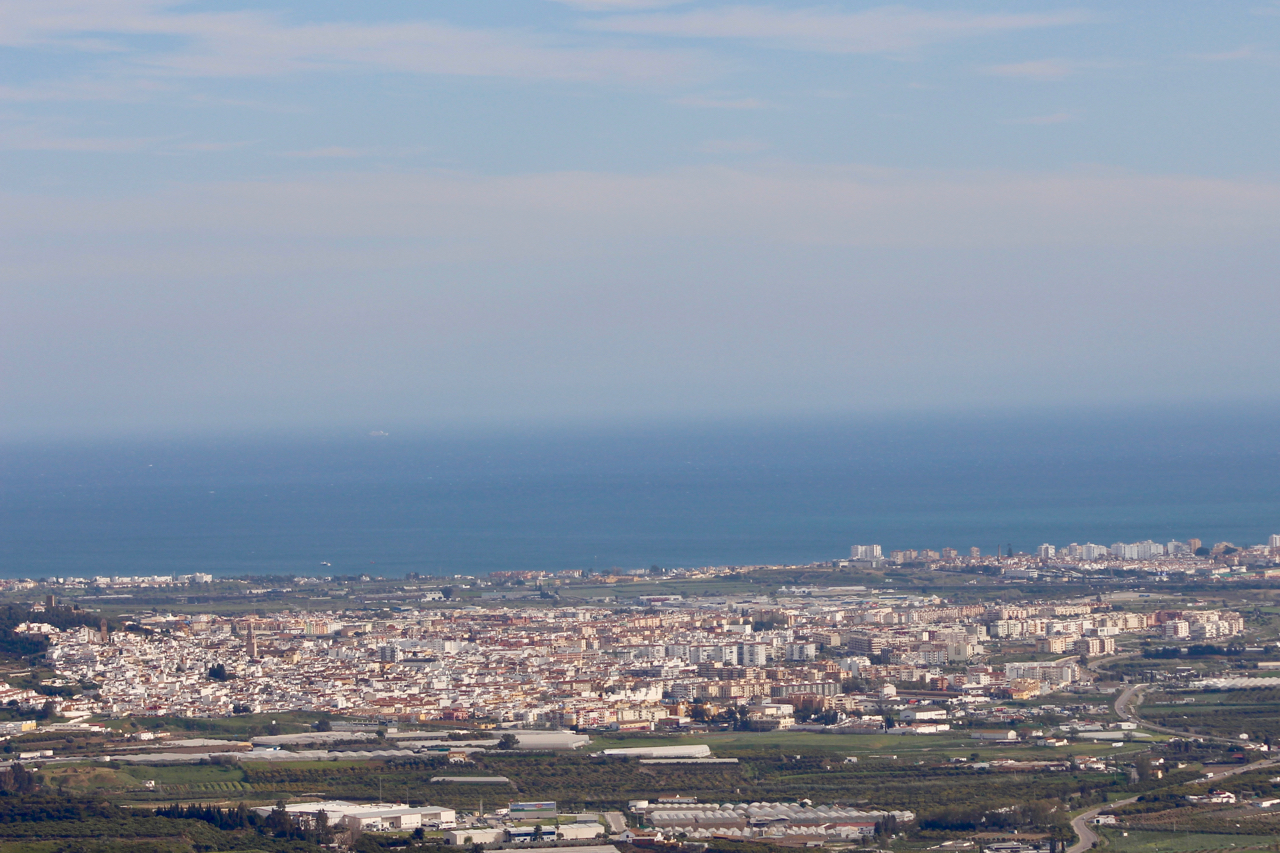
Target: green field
<point x="132" y="845"/>
<point x="729" y="744"/>
<point x="1140" y="841"/>
<point x="241" y="727"/>
<point x="172" y="781"/>
<point x="1228" y="713"/>
<point x="952" y="744"/>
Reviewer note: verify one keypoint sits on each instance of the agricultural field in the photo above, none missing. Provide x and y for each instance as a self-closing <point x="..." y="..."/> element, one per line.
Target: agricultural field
<point x="579" y="781"/>
<point x="1139" y="841"/>
<point x="1225" y="713"/>
<point x="240" y="727"/>
<point x="928" y="748"/>
<point x="920" y="784"/>
<point x="168" y="782"/>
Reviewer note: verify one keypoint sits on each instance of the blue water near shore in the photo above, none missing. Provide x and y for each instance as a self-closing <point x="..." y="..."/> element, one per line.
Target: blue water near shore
<point x="688" y="496"/>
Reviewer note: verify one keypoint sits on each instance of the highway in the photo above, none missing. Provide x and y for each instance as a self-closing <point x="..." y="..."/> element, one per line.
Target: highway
<point x="1126" y="709"/>
<point x="1084" y="831"/>
<point x="1081" y="823"/>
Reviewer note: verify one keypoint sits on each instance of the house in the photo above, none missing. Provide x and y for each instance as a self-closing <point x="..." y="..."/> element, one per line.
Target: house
<point x="996" y="735"/>
<point x="1104" y="820"/>
<point x="920" y="729"/>
<point x="861" y="829"/>
<point x="632" y="835"/>
<point x="914" y="715"/>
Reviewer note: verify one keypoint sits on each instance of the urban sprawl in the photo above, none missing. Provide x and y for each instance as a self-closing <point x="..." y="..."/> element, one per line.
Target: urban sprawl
<point x="455" y="669"/>
<point x="642" y="667"/>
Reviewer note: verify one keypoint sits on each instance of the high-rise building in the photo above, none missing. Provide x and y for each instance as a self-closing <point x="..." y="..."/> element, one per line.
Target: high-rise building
<point x="1046" y="551"/>
<point x="1138" y="550"/>
<point x="801" y="651"/>
<point x="865" y="644"/>
<point x="865" y="552"/>
<point x="1053" y="645"/>
<point x="1274" y="541"/>
<point x="1093" y="646"/>
<point x="1149" y="549"/>
<point x="1194" y="545"/>
<point x="975" y="553"/>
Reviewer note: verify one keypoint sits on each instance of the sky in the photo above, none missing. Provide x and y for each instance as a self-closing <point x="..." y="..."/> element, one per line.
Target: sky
<point x="384" y="215"/>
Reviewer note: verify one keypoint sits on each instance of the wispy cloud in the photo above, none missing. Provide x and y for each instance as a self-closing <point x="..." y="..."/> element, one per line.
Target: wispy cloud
<point x="1052" y="118"/>
<point x="210" y="147"/>
<point x="36" y="139"/>
<point x="1039" y="69"/>
<point x="339" y="152"/>
<point x="721" y="103"/>
<point x="733" y="146"/>
<point x="330" y="152"/>
<point x="83" y="90"/>
<point x="59" y="136"/>
<point x="468" y="216"/>
<point x="1244" y="52"/>
<point x="890" y="29"/>
<point x="239" y="44"/>
<point x="619" y="5"/>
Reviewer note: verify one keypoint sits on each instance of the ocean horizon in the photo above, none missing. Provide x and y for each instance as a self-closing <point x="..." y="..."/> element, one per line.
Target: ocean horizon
<point x="632" y="497"/>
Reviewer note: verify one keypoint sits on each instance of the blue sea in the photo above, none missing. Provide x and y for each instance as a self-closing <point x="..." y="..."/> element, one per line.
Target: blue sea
<point x="709" y="494"/>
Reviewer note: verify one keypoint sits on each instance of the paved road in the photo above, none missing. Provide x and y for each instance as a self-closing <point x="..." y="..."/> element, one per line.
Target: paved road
<point x="1081" y="823"/>
<point x="617" y="822"/>
<point x="1127" y="709"/>
<point x="1125" y="703"/>
<point x="1245" y="768"/>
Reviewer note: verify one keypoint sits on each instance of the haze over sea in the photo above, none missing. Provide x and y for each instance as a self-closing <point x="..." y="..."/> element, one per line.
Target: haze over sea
<point x="632" y="497"/>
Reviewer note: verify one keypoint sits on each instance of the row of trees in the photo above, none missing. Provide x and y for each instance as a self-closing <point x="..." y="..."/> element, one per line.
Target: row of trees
<point x="736" y="717"/>
<point x="1196" y="650"/>
<point x="279" y="823"/>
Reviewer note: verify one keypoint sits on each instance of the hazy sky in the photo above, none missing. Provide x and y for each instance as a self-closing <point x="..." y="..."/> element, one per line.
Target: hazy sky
<point x="381" y="214"/>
